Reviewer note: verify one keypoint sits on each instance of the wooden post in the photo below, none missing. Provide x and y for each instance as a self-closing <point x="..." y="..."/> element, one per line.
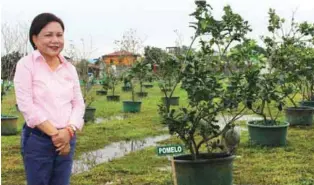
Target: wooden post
<point x="173" y="172"/>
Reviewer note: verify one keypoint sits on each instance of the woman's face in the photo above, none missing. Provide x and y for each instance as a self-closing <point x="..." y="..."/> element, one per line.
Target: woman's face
<point x="50" y="40"/>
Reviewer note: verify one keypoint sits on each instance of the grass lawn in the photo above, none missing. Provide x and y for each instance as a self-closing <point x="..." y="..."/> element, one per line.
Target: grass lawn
<point x="254" y="165"/>
<point x="293" y="164"/>
<point x="94" y="136"/>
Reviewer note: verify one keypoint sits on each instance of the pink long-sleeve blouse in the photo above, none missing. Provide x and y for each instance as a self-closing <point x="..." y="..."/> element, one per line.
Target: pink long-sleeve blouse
<point x="43" y="94"/>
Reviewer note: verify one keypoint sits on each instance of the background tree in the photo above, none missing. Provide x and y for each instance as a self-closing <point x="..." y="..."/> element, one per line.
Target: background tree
<point x="14" y="38"/>
<point x="8" y="65"/>
<point x="290" y="51"/>
<point x="130" y="42"/>
<point x="80" y="57"/>
<point x="154" y="55"/>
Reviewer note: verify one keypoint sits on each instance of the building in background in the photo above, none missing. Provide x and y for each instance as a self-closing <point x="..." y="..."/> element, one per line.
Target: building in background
<point x="173" y="50"/>
<point x="120" y="58"/>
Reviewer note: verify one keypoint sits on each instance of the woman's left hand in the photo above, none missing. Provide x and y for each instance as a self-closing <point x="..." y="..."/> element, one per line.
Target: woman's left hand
<point x="61" y="139"/>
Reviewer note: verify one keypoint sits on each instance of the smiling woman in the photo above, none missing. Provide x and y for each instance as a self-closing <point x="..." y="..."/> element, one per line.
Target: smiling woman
<point x="50" y="40"/>
<point x="48" y="95"/>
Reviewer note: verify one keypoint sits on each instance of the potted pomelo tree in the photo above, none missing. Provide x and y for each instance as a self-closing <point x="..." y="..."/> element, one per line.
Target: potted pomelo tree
<point x="87" y="85"/>
<point x="137" y="72"/>
<point x="105" y="86"/>
<point x="113" y="81"/>
<point x="211" y="93"/>
<point x="142" y="72"/>
<point x="288" y="54"/>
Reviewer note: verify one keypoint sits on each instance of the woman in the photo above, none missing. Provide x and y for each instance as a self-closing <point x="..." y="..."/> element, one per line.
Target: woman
<point x="49" y="96"/>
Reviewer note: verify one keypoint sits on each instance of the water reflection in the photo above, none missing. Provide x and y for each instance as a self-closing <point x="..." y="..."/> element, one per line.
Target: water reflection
<point x="113" y="151"/>
<point x="116" y="117"/>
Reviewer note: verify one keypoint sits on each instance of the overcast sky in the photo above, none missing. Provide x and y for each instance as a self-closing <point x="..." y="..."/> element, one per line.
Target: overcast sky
<point x="155" y="20"/>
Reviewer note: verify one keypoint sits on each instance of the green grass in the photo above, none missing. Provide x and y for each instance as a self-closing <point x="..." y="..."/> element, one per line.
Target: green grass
<point x="105" y="108"/>
<point x="94" y="136"/>
<point x="136" y="168"/>
<point x="292" y="164"/>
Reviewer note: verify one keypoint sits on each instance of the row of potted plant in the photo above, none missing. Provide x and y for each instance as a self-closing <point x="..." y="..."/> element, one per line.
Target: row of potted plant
<point x="140" y="72"/>
<point x="226" y="82"/>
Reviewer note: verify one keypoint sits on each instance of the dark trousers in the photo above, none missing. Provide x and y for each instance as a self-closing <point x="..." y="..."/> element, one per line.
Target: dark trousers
<point x="43" y="165"/>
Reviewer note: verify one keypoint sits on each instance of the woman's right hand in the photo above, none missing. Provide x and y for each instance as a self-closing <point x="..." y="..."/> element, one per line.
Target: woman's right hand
<point x="66" y="150"/>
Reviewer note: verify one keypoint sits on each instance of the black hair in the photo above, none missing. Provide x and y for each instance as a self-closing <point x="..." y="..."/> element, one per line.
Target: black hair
<point x="39" y="22"/>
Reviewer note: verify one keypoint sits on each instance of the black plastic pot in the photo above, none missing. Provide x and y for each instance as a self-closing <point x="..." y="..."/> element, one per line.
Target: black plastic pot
<point x="101" y="92"/>
<point x="148" y="86"/>
<point x="142" y="94"/>
<point x="299" y="116"/>
<point x="171" y="101"/>
<point x="113" y="98"/>
<point x="126" y="88"/>
<point x="215" y="169"/>
<point x="89" y="114"/>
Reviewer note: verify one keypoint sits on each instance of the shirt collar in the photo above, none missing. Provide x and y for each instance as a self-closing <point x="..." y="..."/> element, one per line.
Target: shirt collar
<point x="37" y="55"/>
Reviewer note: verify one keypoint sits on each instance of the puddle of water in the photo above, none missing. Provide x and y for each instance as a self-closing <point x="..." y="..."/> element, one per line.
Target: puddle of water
<point x="99" y="120"/>
<point x="117" y="117"/>
<point x="113" y="151"/>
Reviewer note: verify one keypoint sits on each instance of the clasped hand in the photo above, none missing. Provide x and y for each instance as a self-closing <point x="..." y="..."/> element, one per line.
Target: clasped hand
<point x="61" y="141"/>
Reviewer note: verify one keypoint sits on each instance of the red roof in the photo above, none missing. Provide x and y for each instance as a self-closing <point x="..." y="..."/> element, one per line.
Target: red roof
<point x="121" y="53"/>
